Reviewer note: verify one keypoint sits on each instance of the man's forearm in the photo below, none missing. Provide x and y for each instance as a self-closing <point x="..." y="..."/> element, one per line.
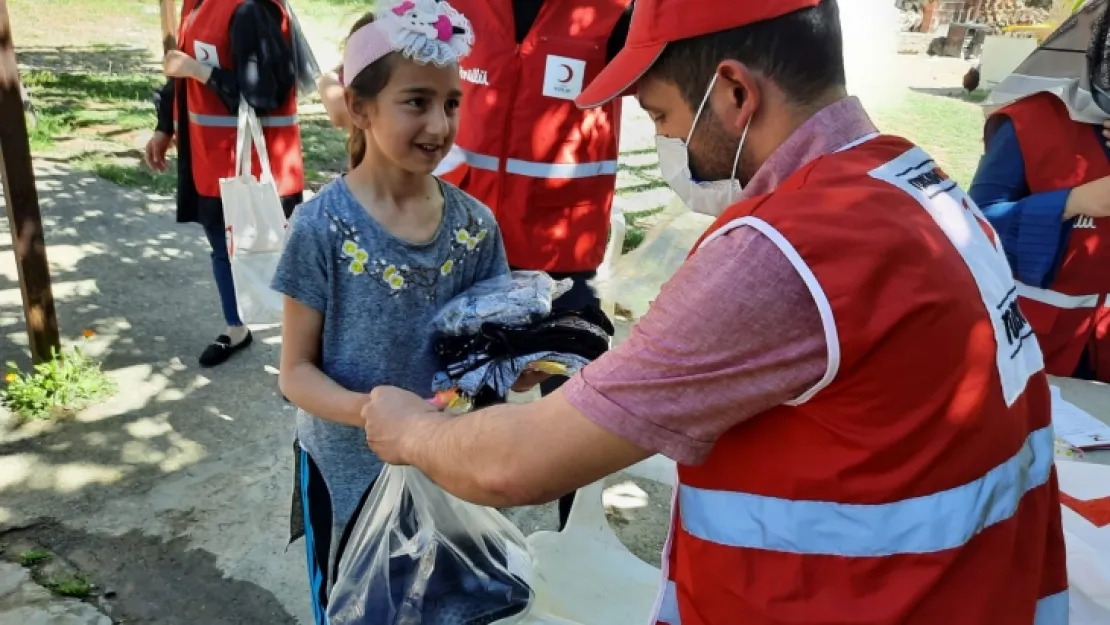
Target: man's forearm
<point x="516" y="454"/>
<point x="473" y="456"/>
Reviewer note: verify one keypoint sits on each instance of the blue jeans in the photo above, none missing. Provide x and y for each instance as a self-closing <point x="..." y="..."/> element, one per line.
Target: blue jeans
<point x="221" y="271"/>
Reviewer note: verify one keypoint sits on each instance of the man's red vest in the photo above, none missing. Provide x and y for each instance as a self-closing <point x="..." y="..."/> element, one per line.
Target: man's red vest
<point x="1073" y="313"/>
<point x="915" y="484"/>
<point x="204" y="35"/>
<point x="547" y="169"/>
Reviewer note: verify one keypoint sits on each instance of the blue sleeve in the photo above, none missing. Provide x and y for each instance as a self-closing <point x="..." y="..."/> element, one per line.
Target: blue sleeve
<point x="1032" y="227"/>
<point x="302" y="272"/>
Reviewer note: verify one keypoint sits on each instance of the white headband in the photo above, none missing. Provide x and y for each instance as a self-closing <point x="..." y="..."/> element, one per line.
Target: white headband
<point x="425" y="31"/>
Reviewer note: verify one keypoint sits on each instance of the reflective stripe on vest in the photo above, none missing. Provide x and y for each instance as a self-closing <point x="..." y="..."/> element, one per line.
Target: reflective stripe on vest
<point x="1055" y="298"/>
<point x="827" y="528"/>
<point x="232" y="121"/>
<point x="535" y="169"/>
<point x="1051" y="610"/>
<point x="668" y="608"/>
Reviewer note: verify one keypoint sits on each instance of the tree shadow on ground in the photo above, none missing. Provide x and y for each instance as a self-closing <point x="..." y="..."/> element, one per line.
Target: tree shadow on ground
<point x="118" y="59"/>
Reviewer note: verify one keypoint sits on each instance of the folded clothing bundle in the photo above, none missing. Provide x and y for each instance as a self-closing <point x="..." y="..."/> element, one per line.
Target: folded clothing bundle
<point x="486" y="338"/>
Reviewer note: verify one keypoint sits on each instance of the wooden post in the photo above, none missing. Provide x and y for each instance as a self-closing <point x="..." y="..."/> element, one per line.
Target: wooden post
<point x="22" y="203"/>
<point x="169" y="25"/>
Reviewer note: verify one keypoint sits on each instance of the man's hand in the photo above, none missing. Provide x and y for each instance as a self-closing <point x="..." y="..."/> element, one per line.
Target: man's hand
<point x="390" y="419"/>
<point x="1091" y="199"/>
<point x="177" y="64"/>
<point x="155" y="154"/>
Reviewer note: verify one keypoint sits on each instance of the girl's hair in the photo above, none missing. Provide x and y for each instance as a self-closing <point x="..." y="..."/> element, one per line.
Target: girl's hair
<point x="366" y="86"/>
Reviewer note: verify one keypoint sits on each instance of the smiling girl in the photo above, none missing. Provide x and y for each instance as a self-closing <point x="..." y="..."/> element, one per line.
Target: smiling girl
<point x="372" y="258"/>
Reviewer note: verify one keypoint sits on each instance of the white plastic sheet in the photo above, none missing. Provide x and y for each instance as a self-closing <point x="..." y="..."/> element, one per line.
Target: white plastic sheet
<point x="420" y="556"/>
<point x="1085" y="491"/>
<point x="633" y="281"/>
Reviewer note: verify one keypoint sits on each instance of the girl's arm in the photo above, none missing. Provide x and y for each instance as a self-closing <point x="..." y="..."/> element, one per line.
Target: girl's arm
<point x="1033" y="227"/>
<point x="332" y="93"/>
<point x="301" y="379"/>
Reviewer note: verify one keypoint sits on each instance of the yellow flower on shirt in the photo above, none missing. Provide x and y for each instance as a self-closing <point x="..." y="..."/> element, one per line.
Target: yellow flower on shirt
<point x="446" y="267"/>
<point x="350" y="248"/>
<point x="396" y="282"/>
<point x="356" y="267"/>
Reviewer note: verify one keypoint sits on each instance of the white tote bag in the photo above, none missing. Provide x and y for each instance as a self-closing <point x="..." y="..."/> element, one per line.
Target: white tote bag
<point x="255" y="225"/>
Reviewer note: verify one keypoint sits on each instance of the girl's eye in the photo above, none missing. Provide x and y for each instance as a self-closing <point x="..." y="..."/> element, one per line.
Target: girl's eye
<point x="452" y="105"/>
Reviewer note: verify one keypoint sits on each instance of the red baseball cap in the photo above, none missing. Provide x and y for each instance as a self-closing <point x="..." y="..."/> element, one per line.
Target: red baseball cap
<point x="655" y="23"/>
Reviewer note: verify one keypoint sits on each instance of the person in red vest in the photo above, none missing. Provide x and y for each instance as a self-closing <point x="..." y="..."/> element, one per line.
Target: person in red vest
<point x="227" y="50"/>
<point x="860" y="437"/>
<point x="547" y="169"/>
<point x="1044" y="183"/>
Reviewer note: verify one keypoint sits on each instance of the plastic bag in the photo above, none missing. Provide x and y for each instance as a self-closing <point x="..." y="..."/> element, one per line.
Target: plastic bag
<point x="420" y="556"/>
<point x="634" y="280"/>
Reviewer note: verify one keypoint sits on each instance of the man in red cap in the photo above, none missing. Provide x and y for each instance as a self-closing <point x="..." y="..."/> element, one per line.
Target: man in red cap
<point x="860" y="417"/>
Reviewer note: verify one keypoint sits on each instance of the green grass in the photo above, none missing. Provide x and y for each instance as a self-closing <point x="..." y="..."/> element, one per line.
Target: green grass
<point x="325" y="150"/>
<point x="949" y="129"/>
<point x="130" y="173"/>
<point x="31" y="557"/>
<point x="89" y="106"/>
<point x="636" y="228"/>
<point x="77" y="586"/>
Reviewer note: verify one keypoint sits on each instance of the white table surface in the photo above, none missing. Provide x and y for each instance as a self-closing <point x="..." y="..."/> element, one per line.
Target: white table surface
<point x="1094" y="397"/>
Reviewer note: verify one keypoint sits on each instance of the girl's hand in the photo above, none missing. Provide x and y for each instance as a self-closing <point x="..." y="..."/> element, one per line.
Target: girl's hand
<point x="177" y="64"/>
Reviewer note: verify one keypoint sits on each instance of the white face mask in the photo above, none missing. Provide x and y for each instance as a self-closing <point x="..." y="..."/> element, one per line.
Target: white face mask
<point x="710" y="197"/>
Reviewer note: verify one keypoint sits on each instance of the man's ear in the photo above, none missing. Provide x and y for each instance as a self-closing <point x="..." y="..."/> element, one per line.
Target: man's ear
<point x="743" y="93"/>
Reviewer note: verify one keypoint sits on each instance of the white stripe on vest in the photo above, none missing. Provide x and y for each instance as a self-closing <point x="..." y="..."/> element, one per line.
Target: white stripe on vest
<point x="1018" y="354"/>
<point x="1051" y="610"/>
<point x="232" y="121"/>
<point x="955" y="516"/>
<point x="534" y="169"/>
<point x="1057" y="299"/>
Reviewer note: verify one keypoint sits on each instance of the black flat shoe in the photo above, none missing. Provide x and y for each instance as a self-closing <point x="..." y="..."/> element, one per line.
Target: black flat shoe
<point x="219" y="351"/>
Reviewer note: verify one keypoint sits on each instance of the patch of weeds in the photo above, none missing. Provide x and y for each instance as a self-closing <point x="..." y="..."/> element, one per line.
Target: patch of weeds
<point x="637" y="229"/>
<point x="325" y="150"/>
<point x="31" y="557"/>
<point x="648" y="185"/>
<point x="977" y="96"/>
<point x="76" y="585"/>
<point x="91" y="104"/>
<point x="66" y="383"/>
<point x="131" y="174"/>
<point x="98" y="87"/>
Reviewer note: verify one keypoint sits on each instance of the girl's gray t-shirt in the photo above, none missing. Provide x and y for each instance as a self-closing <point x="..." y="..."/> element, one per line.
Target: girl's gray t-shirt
<point x="378" y="295"/>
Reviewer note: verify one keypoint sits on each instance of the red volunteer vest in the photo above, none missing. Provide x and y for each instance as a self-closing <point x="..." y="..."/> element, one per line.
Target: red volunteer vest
<point x="1072" y="314"/>
<point x="212" y="128"/>
<point x="547" y="169"/>
<point x="915" y="485"/>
